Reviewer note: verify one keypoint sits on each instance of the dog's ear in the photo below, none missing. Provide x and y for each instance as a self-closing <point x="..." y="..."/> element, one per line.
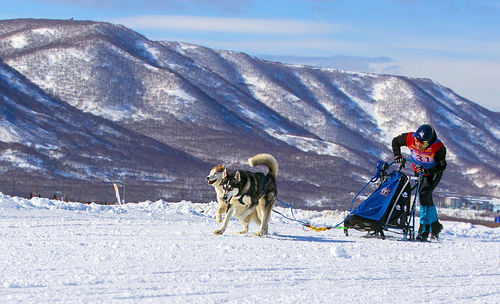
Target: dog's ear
<point x="225" y="173"/>
<point x="237" y="176"/>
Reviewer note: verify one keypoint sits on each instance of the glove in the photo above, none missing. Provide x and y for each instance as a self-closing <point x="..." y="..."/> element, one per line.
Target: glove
<point x="420" y="169"/>
<point x="398" y="159"/>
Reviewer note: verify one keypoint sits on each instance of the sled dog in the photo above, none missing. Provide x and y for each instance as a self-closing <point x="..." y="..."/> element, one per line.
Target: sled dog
<point x="214" y="178"/>
<point x="251" y="195"/>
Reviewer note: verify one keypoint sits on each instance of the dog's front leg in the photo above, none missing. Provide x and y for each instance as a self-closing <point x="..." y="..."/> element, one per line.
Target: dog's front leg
<point x="226" y="221"/>
<point x="222" y="209"/>
<point x="250" y="206"/>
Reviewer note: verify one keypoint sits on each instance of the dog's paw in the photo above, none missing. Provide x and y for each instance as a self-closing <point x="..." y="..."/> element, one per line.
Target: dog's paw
<point x="260" y="233"/>
<point x="243" y="231"/>
<point x="219" y="232"/>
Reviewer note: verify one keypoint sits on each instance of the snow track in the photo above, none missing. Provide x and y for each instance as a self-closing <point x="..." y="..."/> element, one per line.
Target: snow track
<point x="157" y="252"/>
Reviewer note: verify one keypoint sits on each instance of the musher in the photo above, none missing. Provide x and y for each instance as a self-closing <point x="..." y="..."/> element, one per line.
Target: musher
<point x="429" y="153"/>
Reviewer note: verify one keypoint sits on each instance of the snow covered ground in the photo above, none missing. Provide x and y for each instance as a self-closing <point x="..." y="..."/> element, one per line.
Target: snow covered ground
<point x="158" y="252"/>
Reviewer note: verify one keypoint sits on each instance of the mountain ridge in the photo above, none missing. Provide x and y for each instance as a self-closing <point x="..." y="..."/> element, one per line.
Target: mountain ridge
<point x="326" y="127"/>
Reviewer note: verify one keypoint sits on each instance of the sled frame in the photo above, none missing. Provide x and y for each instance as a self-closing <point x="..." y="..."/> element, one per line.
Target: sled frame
<point x="408" y="230"/>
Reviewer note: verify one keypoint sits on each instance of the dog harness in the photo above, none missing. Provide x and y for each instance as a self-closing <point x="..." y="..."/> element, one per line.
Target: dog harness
<point x="264" y="185"/>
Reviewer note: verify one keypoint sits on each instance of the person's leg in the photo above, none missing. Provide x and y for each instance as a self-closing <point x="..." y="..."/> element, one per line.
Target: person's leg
<point x="429" y="221"/>
<point x="424" y="228"/>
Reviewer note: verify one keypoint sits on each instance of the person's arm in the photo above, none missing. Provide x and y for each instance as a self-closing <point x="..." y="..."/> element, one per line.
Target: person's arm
<point x="397" y="143"/>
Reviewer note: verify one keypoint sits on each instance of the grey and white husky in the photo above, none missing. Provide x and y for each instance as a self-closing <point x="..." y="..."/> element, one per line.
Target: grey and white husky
<point x="251" y="195"/>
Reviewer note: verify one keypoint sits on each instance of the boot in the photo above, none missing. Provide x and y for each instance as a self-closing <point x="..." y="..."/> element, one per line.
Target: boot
<point x="436" y="228"/>
<point x="423" y="233"/>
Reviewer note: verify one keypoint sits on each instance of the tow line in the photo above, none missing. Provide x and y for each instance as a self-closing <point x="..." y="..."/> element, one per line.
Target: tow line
<point x="306" y="226"/>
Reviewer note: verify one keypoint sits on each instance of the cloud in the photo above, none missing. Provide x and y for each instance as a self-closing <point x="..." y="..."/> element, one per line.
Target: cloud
<point x="227" y="25"/>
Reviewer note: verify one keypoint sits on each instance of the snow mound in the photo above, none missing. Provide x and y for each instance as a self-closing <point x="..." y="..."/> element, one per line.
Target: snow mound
<point x="339" y="252"/>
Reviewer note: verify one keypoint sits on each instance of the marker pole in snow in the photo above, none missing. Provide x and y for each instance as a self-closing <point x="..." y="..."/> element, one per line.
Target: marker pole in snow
<point x="117" y="194"/>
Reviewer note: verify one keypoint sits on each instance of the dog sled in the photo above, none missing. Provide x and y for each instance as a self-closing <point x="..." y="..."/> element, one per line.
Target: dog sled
<point x="389" y="207"/>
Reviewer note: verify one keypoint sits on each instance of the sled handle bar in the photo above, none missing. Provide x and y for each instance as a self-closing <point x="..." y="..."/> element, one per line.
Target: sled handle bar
<point x="404" y="161"/>
<point x="402" y="165"/>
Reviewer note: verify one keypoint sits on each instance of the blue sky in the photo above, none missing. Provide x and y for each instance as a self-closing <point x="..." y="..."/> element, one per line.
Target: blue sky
<point x="453" y="42"/>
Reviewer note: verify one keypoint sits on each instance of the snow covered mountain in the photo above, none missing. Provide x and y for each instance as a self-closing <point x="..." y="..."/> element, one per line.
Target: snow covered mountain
<point x="326" y="127"/>
<point x="43" y="137"/>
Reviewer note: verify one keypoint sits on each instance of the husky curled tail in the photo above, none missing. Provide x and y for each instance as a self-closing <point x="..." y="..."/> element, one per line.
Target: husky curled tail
<point x="266" y="160"/>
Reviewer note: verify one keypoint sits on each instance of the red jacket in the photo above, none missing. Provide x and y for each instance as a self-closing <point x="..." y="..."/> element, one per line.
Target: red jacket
<point x="432" y="158"/>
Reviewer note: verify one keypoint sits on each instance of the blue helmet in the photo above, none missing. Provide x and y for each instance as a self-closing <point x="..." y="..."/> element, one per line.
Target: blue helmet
<point x="424" y="133"/>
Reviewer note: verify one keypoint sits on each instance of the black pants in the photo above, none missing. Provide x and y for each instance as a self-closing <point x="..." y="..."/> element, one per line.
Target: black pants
<point x="427" y="186"/>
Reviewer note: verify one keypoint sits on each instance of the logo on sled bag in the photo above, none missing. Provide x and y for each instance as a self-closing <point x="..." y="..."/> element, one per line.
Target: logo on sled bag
<point x="385" y="192"/>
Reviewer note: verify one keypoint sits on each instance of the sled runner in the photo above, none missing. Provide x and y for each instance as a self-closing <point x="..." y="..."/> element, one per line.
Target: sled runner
<point x="389" y="207"/>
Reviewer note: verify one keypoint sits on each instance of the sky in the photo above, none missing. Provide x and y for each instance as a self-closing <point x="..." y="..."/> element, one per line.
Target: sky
<point x="453" y="42"/>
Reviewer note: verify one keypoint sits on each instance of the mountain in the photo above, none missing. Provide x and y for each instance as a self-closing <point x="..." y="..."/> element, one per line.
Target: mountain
<point x="43" y="137"/>
<point x="326" y="127"/>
